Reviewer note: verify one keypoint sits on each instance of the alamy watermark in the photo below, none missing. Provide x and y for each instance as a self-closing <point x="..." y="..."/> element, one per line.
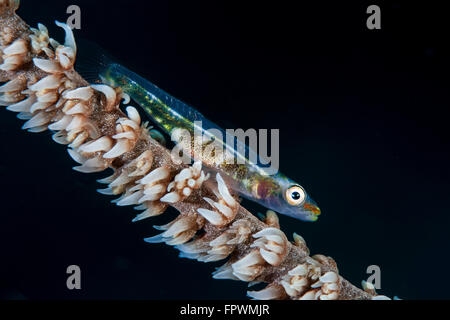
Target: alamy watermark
<point x="374" y="20"/>
<point x="375" y="276"/>
<point x="74" y="279"/>
<point x="236" y="147"/>
<point x="74" y="20"/>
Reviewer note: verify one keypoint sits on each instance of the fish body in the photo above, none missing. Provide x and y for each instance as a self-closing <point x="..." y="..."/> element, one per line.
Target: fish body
<point x="246" y="177"/>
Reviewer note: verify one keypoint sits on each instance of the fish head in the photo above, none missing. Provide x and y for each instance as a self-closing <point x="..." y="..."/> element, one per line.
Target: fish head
<point x="298" y="204"/>
<point x="292" y="200"/>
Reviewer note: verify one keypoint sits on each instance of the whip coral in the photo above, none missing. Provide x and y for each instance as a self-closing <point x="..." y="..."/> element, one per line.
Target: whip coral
<point x="43" y="87"/>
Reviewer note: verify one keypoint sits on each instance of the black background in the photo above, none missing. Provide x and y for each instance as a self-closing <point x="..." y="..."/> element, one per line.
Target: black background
<point x="363" y="123"/>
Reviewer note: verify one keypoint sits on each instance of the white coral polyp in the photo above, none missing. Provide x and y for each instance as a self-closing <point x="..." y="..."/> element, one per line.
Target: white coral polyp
<point x="327" y="287"/>
<point x="14" y="55"/>
<point x="301" y="282"/>
<point x="225" y="209"/>
<point x="127" y="133"/>
<point x="218" y="248"/>
<point x="249" y="267"/>
<point x="40" y="41"/>
<point x="184" y="183"/>
<point x="179" y="231"/>
<point x="271" y="292"/>
<point x="272" y="244"/>
<point x="11" y="94"/>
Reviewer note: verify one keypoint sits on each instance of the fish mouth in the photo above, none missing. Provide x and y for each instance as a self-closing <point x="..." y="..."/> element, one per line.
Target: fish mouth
<point x="312" y="208"/>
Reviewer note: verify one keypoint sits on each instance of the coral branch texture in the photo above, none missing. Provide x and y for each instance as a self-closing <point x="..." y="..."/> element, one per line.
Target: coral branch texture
<point x="40" y="83"/>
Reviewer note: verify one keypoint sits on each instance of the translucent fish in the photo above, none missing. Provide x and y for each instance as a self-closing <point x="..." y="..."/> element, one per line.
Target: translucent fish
<point x="246" y="177"/>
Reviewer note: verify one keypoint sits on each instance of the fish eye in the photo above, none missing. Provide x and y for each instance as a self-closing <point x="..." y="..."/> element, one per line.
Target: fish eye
<point x="295" y="195"/>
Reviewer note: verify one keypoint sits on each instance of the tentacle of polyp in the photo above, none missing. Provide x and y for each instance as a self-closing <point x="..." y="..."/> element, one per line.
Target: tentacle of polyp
<point x="42" y="86"/>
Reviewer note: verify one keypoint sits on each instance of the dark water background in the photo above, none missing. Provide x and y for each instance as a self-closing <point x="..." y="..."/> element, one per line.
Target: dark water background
<point x="363" y="122"/>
